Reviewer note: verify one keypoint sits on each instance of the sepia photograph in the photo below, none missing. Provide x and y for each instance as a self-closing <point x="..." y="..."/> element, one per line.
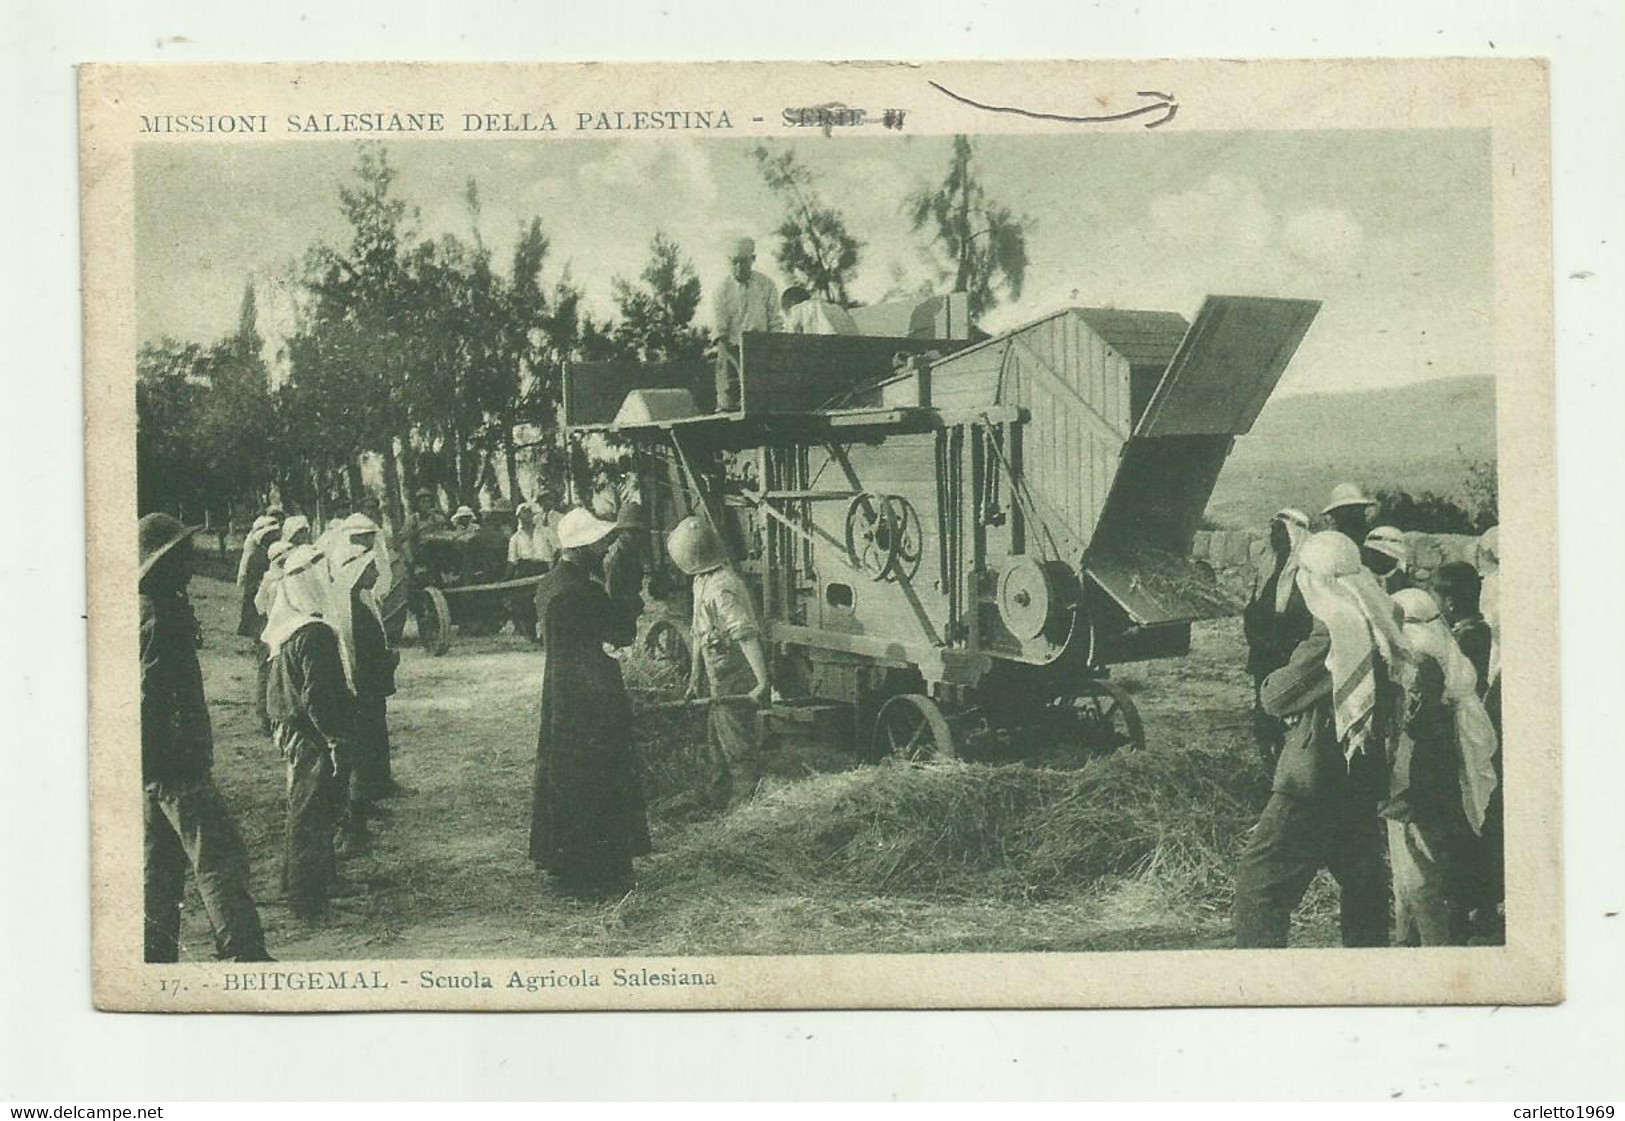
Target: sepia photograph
<point x="582" y="549"/>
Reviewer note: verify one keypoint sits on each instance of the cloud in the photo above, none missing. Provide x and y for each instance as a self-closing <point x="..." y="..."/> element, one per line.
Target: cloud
<point x="1226" y="210"/>
<point x="679" y="167"/>
<point x="1323" y="236"/>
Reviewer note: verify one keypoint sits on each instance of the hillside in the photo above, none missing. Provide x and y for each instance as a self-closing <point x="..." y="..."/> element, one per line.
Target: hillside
<point x="1418" y="437"/>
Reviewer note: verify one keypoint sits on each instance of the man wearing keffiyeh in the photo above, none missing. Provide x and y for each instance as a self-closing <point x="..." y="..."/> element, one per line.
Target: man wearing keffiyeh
<point x="1275" y="620"/>
<point x="1441" y="781"/>
<point x="369" y="672"/>
<point x="313" y="714"/>
<point x="250" y="616"/>
<point x="1337" y="694"/>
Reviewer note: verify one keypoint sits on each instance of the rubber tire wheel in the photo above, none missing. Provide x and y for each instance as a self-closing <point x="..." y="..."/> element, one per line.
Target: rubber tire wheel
<point x="923" y="715"/>
<point x="437" y="613"/>
<point x="666" y="645"/>
<point x="1122" y="705"/>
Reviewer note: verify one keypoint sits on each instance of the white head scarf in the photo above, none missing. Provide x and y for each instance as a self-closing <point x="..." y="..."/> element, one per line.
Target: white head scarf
<point x="301" y="596"/>
<point x="293" y="524"/>
<point x="1489" y="593"/>
<point x="266" y="596"/>
<point x="345" y="568"/>
<point x="1476" y="743"/>
<point x="358" y="524"/>
<point x="1297" y="532"/>
<point x="252" y="540"/>
<point x="1360" y="618"/>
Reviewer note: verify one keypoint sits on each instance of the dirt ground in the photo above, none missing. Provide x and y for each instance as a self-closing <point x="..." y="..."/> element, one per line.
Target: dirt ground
<point x="447" y="874"/>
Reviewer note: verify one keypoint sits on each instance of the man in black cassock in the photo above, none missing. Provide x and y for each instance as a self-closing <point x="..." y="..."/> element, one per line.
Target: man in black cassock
<point x="587" y="814"/>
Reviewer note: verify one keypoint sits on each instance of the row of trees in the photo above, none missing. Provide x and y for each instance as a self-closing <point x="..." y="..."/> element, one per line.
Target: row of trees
<point x="422" y="353"/>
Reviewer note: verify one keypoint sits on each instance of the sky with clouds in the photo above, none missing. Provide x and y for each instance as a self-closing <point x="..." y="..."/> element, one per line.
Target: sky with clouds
<point x="1391" y="230"/>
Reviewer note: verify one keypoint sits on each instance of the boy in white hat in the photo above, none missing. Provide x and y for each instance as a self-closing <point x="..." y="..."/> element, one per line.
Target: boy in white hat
<point x="745" y="301"/>
<point x="727" y="646"/>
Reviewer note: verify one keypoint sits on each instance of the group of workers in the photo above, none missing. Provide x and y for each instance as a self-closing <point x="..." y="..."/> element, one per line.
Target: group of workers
<point x="325" y="668"/>
<point x="325" y="671"/>
<point x="1378" y="694"/>
<point x="1379" y="697"/>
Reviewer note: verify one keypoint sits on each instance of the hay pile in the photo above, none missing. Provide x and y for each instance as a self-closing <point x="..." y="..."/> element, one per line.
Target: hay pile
<point x="1008" y="832"/>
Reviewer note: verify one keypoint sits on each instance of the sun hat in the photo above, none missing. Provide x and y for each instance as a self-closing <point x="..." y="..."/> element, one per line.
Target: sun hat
<point x="579" y="528"/>
<point x="1347" y="494"/>
<point x="159" y="533"/>
<point x="694" y="546"/>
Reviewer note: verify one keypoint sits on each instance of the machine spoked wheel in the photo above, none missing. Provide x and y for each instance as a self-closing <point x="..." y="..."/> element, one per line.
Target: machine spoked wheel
<point x="911" y="727"/>
<point x="666" y="645"/>
<point x="883" y="536"/>
<point x="1108" y="719"/>
<point x="434" y="622"/>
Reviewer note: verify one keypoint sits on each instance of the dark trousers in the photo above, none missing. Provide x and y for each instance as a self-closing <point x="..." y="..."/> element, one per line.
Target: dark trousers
<point x="1297" y="837"/>
<point x="367" y="776"/>
<point x="262" y="682"/>
<point x="193" y="828"/>
<point x="1483" y="862"/>
<point x="523" y="605"/>
<point x="315" y="808"/>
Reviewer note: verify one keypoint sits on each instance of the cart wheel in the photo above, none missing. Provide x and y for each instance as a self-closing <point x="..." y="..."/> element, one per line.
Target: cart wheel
<point x="911" y="727"/>
<point x="1109" y="720"/>
<point x="666" y="645"/>
<point x="434" y="622"/>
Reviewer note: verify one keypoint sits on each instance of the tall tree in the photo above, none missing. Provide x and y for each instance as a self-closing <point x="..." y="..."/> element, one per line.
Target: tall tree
<point x="657" y="315"/>
<point x="357" y="344"/>
<point x="980" y="244"/>
<point x="814" y="246"/>
<point x="168" y="391"/>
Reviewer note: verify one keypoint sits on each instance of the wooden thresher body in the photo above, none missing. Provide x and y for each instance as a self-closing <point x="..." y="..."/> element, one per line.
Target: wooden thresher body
<point x="955" y="541"/>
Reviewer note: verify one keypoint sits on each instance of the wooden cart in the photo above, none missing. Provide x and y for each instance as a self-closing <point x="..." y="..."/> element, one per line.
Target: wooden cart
<point x="456" y="585"/>
<point x="953" y="543"/>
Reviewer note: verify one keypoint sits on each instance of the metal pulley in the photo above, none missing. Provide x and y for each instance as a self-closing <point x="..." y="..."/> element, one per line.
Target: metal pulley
<point x="1036" y="596"/>
<point x="883" y="536"/>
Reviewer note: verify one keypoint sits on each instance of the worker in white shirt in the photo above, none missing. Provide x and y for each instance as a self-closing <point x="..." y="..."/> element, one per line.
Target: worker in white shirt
<point x="531" y="550"/>
<point x="726" y="634"/>
<point x="745" y="301"/>
<point x="806" y="314"/>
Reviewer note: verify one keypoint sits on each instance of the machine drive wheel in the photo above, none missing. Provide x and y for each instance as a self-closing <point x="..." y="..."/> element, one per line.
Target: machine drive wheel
<point x="911" y="727"/>
<point x="434" y="622"/>
<point x="667" y="645"/>
<point x="1108" y="719"/>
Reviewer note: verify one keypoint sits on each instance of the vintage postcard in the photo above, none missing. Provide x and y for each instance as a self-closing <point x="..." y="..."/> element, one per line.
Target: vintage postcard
<point x="848" y="535"/>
